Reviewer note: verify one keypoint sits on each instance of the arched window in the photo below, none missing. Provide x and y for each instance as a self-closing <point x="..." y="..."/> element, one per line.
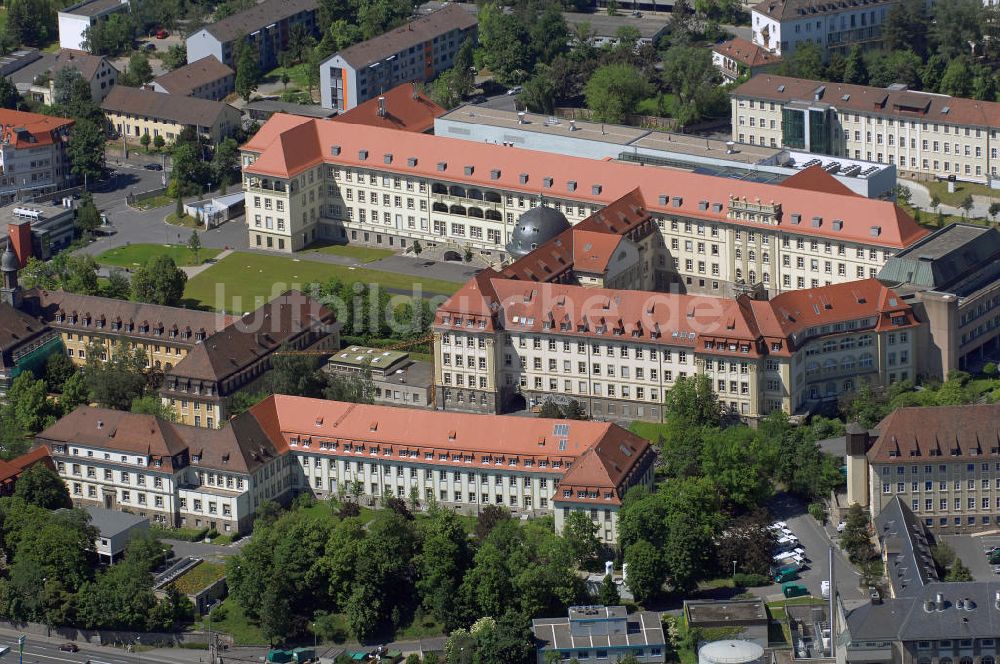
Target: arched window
<point x="831" y="389"/>
<point x="812" y="368"/>
<point x="474" y="194"/>
<point x="765" y="257"/>
<point x="752" y="255"/>
<point x="767" y="278"/>
<point x="494" y="215"/>
<point x="987" y="659"/>
<point x="457" y="209"/>
<point x="847" y="363"/>
<point x="866" y="361"/>
<point x="944" y="660"/>
<point x="492" y="197"/>
<point x="739" y="274"/>
<point x="475" y="212"/>
<point x="438" y="188"/>
<point x="753" y="277"/>
<point x="455" y="190"/>
<point x="830" y="365"/>
<point x="924" y="660"/>
<point x="439" y="207"/>
<point x="739" y="254"/>
<point x="848" y="385"/>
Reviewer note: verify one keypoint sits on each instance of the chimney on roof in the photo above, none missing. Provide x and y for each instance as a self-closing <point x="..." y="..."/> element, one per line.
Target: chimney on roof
<point x="100" y="424"/>
<point x="381" y="106"/>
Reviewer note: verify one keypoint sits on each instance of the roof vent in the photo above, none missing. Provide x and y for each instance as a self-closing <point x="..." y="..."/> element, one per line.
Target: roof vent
<point x="523" y="178"/>
<point x="100" y="424"/>
<point x="716" y="207"/>
<point x="846" y="98"/>
<point x="702" y="205"/>
<point x="820" y="91"/>
<point x="495" y="174"/>
<point x="781" y="88"/>
<point x="796" y="219"/>
<point x="547" y="183"/>
<point x="677" y="201"/>
<point x="411" y="162"/>
<point x="442" y="165"/>
<point x="571" y="185"/>
<point x="663" y="199"/>
<point x="596" y="189"/>
<point x="362" y="154"/>
<point x="838" y="225"/>
<point x="387" y="158"/>
<point x="876" y="231"/>
<point x="945" y="109"/>
<point x="335" y="150"/>
<point x="817" y="222"/>
<point x="469" y="170"/>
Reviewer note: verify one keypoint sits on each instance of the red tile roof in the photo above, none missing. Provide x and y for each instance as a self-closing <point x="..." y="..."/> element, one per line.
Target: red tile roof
<point x="39" y="129"/>
<point x="955" y="433"/>
<point x="10" y="470"/>
<point x="597" y="454"/>
<point x="746" y="52"/>
<point x="575" y="178"/>
<point x="815" y="178"/>
<point x="406" y="109"/>
<point x="592" y="250"/>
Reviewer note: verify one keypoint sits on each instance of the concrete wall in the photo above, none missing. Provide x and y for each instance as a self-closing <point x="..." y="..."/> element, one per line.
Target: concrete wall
<point x="202" y="44"/>
<point x="71" y="29"/>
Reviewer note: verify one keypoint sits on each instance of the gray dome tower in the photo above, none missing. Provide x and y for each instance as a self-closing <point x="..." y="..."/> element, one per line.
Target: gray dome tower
<point x="10" y="292"/>
<point x="535" y="227"/>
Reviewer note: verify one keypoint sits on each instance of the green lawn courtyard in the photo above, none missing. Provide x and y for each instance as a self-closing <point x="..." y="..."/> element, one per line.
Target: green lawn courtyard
<point x="359" y="253"/>
<point x="134" y="255"/>
<point x="241" y="281"/>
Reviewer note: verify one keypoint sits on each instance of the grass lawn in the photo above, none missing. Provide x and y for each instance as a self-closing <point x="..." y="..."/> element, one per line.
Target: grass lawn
<point x="159" y="200"/>
<point x="235" y="624"/>
<point x="243" y="281"/>
<point x="929" y="218"/>
<point x="362" y="254"/>
<point x="139" y="254"/>
<point x="298" y="75"/>
<point x="187" y="221"/>
<point x="962" y="189"/>
<point x="648" y="430"/>
<point x="200" y="577"/>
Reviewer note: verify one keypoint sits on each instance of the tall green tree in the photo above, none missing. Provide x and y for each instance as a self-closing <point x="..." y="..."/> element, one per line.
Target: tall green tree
<point x="119" y="379"/>
<point x="247" y="70"/>
<point x="855" y="71"/>
<point x="85" y="149"/>
<point x="580" y="533"/>
<point x="505" y="45"/>
<point x="441" y="564"/>
<point x="614" y="91"/>
<point x="689" y="73"/>
<point x="139" y="71"/>
<point x="159" y="281"/>
<point x="9" y="96"/>
<point x="31" y="22"/>
<point x="40" y="486"/>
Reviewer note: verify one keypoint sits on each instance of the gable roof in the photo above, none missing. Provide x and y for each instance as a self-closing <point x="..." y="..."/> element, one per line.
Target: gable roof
<point x="86" y="63"/>
<point x="16" y="328"/>
<point x="28" y="130"/>
<point x="582" y="179"/>
<point x="746" y="52"/>
<point x="891" y="102"/>
<point x="955" y="433"/>
<point x="252" y="337"/>
<point x="257" y="17"/>
<point x="592" y="250"/>
<point x="406" y="109"/>
<point x="414" y="33"/>
<point x="797" y="9"/>
<point x="906" y="542"/>
<point x="170" y="108"/>
<point x="185" y="80"/>
<point x="10" y="470"/>
<point x="816" y="178"/>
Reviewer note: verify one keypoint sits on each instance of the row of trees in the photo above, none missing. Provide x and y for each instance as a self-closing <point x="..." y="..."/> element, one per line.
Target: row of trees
<point x="869" y="405"/>
<point x="387" y="572"/>
<point x="159" y="281"/>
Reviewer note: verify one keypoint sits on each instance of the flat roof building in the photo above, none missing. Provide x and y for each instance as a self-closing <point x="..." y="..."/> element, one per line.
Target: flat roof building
<point x="582" y="138"/>
<point x="952" y="280"/>
<point x="262" y="110"/>
<point x="604" y="633"/>
<point x="114" y="531"/>
<point x="605" y="27"/>
<point x="414" y="52"/>
<point x="396" y="379"/>
<point x="76" y="20"/>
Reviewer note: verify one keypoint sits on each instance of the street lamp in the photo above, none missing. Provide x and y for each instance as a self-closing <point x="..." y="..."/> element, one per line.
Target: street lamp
<point x="734" y="568"/>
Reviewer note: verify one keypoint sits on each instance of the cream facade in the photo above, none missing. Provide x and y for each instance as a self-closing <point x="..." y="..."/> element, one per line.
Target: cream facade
<point x="133" y="126"/>
<point x="782" y="26"/>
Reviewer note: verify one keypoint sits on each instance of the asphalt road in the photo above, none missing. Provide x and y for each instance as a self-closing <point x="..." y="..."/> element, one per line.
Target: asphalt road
<point x="39" y="650"/>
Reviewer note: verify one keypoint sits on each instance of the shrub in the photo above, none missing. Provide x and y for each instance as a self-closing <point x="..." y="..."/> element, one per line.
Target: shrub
<point x="990" y="369"/>
<point x="818" y="512"/>
<point x="750" y="580"/>
<point x="349" y="508"/>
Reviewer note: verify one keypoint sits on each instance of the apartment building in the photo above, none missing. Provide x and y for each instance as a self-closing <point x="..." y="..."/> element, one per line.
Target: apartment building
<point x="134" y="113"/>
<point x="36" y="81"/>
<point x="174" y="474"/>
<point x="943" y="463"/>
<point x="266" y="26"/>
<point x="415" y="52"/>
<point x="536" y="332"/>
<point x="180" y="475"/>
<point x="307" y="180"/>
<point x="952" y="280"/>
<point x="205" y="79"/>
<point x="924" y="135"/>
<point x="76" y="20"/>
<point x="33" y="157"/>
<point x="532" y="466"/>
<point x="781" y="26"/>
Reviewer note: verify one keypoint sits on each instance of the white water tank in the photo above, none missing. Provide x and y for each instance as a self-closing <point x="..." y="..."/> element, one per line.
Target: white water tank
<point x="730" y="651"/>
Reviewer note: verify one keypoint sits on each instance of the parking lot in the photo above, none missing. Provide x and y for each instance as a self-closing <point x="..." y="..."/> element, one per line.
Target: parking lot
<point x="972" y="551"/>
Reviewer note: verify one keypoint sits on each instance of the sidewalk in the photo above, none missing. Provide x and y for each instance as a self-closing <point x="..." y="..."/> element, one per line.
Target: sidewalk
<point x="921" y="198"/>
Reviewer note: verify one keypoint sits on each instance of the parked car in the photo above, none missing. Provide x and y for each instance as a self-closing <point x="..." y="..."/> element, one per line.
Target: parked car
<point x="516" y="90"/>
<point x="149" y="46"/>
<point x="786" y="573"/>
<point x="162" y="34"/>
<point x="69" y="647"/>
<point x="793" y="590"/>
<point x="153" y="167"/>
<point x="777" y="525"/>
<point x="824" y="589"/>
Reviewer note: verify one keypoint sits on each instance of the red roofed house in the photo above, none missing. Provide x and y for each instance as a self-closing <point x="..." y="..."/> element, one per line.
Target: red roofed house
<point x="11" y="470"/>
<point x="739" y="58"/>
<point x="187" y="476"/>
<point x="404" y="107"/>
<point x="32" y="154"/>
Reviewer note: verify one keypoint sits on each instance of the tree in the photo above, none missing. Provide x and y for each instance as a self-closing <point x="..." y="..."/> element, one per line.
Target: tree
<point x="38" y="485"/>
<point x="956" y="25"/>
<point x="159" y="142"/>
<point x="417" y="248"/>
<point x="85" y="149"/>
<point x="689" y="73"/>
<point x="194" y="246"/>
<point x="957" y="78"/>
<point x="646" y="571"/>
<point x="150" y="404"/>
<point x="27" y="404"/>
<point x="906" y="27"/>
<point x="88" y="217"/>
<point x="958" y="572"/>
<point x="75" y="392"/>
<point x="856" y="539"/>
<point x="296" y="375"/>
<point x="175" y="57"/>
<point x="247" y="70"/>
<point x="966" y="204"/>
<point x="159" y="282"/>
<point x="58" y="369"/>
<point x="747" y="540"/>
<point x="550" y="410"/>
<point x="504" y="43"/>
<point x="139" y="71"/>
<point x="9" y="96"/>
<point x="580" y="533"/>
<point x="441" y="564"/>
<point x="116" y="381"/>
<point x="887" y="67"/>
<point x="112" y="36"/>
<point x="117" y="285"/>
<point x="464" y="78"/>
<point x="144" y="141"/>
<point x="31" y="22"/>
<point x="488" y="518"/>
<point x="445" y="91"/>
<point x="539" y="93"/>
<point x="805" y="62"/>
<point x="692" y="402"/>
<point x="226" y="162"/>
<point x="935" y="201"/>
<point x="854" y="67"/>
<point x="614" y="90"/>
<point x="608" y="594"/>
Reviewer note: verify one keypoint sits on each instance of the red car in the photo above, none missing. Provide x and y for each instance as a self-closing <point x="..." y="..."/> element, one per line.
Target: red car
<point x="162" y="34"/>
